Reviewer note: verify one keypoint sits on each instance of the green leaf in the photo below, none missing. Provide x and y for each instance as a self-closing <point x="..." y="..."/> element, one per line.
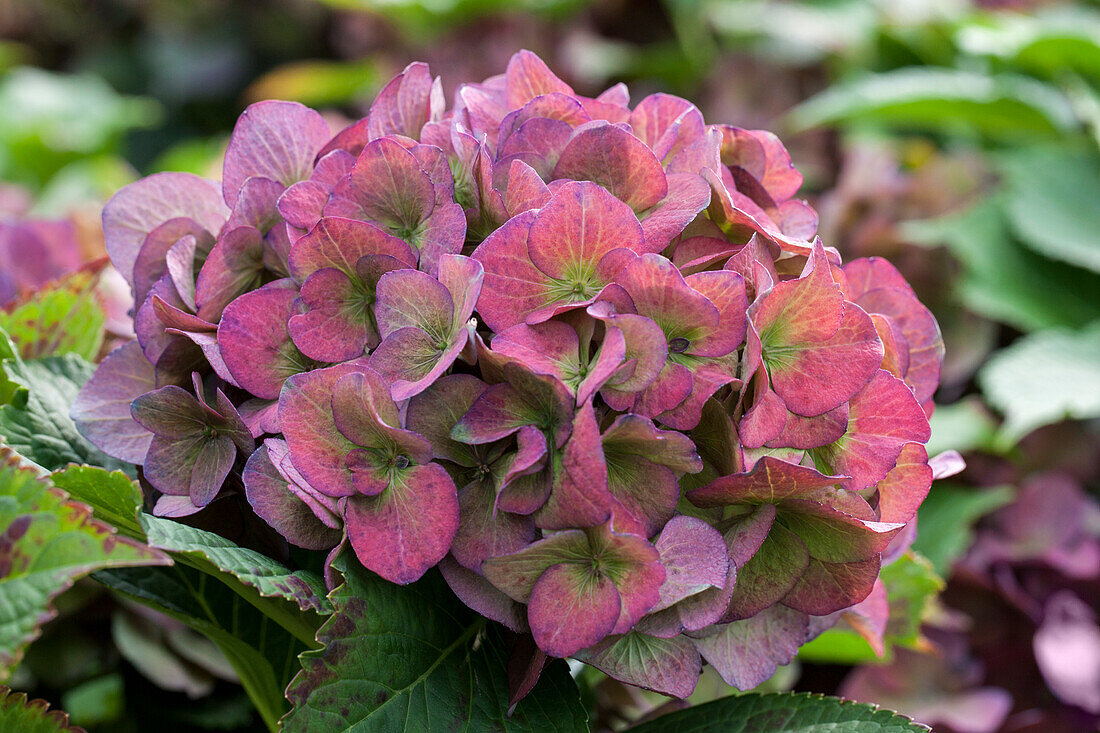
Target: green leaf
<point x="47" y="543"/>
<point x="784" y="712"/>
<point x="945" y="519"/>
<point x="911" y="584"/>
<point x="41" y="429"/>
<point x="1004" y="280"/>
<point x="1050" y="200"/>
<point x="943" y="100"/>
<point x="964" y="425"/>
<point x="263" y="654"/>
<point x="96" y="702"/>
<point x="1043" y="378"/>
<point x="291" y="598"/>
<point x="11" y="392"/>
<point x="63" y="317"/>
<point x="17" y="713"/>
<point x="413" y="658"/>
<point x="114" y="497"/>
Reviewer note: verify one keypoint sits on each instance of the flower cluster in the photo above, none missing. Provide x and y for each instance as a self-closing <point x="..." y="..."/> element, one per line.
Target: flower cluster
<point x="587" y="359"/>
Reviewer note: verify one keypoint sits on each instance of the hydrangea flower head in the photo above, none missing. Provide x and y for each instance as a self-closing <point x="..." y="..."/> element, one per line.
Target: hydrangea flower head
<point x="586" y="358"/>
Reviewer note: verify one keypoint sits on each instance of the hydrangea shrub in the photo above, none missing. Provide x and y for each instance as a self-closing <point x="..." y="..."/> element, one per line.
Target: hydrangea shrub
<point x="587" y="359"/>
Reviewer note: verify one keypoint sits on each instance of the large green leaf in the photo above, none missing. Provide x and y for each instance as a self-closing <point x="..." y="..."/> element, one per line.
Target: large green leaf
<point x="945" y="100"/>
<point x="39" y="427"/>
<point x="1004" y="280"/>
<point x="1051" y="202"/>
<point x="412" y="659"/>
<point x="1043" y="378"/>
<point x="22" y="715"/>
<point x="785" y="712"/>
<point x="263" y="653"/>
<point x="291" y="598"/>
<point x="114" y="497"/>
<point x="945" y="520"/>
<point x="63" y="317"/>
<point x="47" y="542"/>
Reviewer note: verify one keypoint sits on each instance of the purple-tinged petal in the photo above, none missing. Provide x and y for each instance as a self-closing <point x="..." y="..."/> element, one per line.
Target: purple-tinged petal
<point x="234" y="267"/>
<point x="413" y="298"/>
<point x="386" y="185"/>
<point x="524" y="399"/>
<point x="180" y="262"/>
<point x="261" y="416"/>
<point x="196" y="467"/>
<point x="827" y="587"/>
<point x="524" y="189"/>
<point x="480" y="595"/>
<point x="410" y="359"/>
<point x="365" y="414"/>
<point x="340" y="243"/>
<point x="150" y="262"/>
<point x="287" y="507"/>
<point x="303" y="204"/>
<point x="256" y="205"/>
<point x="408" y="102"/>
<point x="833" y="535"/>
<point x="668" y="666"/>
<point x="272" y="139"/>
<point x="667" y="124"/>
<point x="746" y="653"/>
<point x="580" y="496"/>
<point x="946" y="464"/>
<point x="255" y="343"/>
<point x="688" y="195"/>
<point x="101" y="410"/>
<point x="771" y="480"/>
<point x="906" y="485"/>
<point x="516" y="574"/>
<point x="771" y="572"/>
<point x="527" y="77"/>
<point x="726" y="291"/>
<point x="171" y="412"/>
<point x="139" y="208"/>
<point x="618" y="161"/>
<point x="570" y="610"/>
<point x="408" y="528"/>
<point x="882" y="418"/>
<point x="317" y="447"/>
<point x="695" y="558"/>
<point x="485" y="532"/>
<point x="805" y="433"/>
<point x="435" y="411"/>
<point x="337" y="324"/>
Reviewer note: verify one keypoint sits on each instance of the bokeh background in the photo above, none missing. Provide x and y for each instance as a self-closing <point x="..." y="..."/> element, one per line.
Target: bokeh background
<point x="958" y="138"/>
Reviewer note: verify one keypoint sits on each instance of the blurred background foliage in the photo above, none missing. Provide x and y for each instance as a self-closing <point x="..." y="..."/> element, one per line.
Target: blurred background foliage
<point x="958" y="138"/>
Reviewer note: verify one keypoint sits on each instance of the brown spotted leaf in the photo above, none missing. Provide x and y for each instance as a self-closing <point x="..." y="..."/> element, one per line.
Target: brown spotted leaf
<point x="48" y="541"/>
